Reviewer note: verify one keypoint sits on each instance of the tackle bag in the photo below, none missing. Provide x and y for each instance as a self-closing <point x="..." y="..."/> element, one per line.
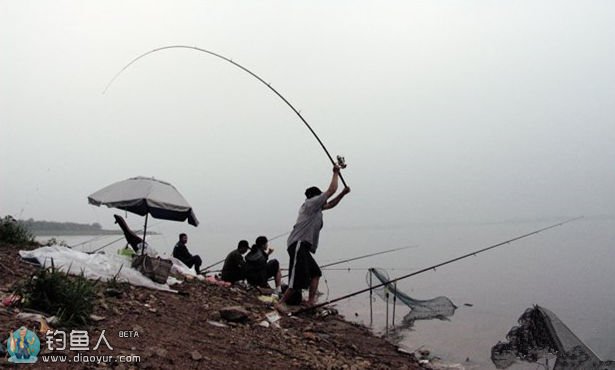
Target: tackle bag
<point x="155" y="268"/>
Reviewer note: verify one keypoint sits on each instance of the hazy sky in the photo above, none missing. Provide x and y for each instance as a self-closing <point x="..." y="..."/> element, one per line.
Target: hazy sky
<point x="445" y="111"/>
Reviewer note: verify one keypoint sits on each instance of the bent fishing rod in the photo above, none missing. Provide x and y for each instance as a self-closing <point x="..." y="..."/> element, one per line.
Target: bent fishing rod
<point x="340" y="160"/>
<point x="305" y="309"/>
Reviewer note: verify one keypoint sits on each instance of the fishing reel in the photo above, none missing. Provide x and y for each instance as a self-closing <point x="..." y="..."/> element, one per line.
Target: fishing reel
<point x="341" y="161"/>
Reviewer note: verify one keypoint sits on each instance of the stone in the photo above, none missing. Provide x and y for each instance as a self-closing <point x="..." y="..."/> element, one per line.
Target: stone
<point x="161" y="352"/>
<point x="234" y="313"/>
<point x="196" y="356"/>
<point x="139" y="329"/>
<point x="310" y="336"/>
<point x="110" y="292"/>
<point x="217" y="324"/>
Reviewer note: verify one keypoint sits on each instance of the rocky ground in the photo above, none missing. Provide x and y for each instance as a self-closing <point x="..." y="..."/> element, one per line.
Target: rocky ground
<point x="189" y="331"/>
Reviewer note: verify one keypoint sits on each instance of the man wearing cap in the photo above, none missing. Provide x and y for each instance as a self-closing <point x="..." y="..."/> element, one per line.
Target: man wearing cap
<point x="304" y="272"/>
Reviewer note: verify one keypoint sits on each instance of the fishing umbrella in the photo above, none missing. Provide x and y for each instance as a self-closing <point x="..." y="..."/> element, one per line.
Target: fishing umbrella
<point x="146" y="196"/>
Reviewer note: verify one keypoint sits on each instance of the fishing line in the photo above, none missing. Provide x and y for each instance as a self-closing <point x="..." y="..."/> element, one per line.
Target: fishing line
<point x="279" y="236"/>
<point x="353" y="258"/>
<point x="104" y="236"/>
<point x="368" y="255"/>
<point x="363" y="256"/>
<point x="242" y="68"/>
<point x="434" y="266"/>
<point x="364" y="269"/>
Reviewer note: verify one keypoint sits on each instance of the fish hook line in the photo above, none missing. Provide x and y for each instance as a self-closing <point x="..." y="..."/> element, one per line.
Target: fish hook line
<point x="433" y="267"/>
<point x="242" y="68"/>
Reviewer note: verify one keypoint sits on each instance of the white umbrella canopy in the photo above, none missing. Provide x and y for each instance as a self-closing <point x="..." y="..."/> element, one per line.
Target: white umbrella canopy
<point x="146" y="196"/>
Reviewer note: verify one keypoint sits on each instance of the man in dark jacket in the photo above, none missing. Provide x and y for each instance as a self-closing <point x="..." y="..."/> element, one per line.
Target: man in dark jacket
<point x="258" y="267"/>
<point x="180" y="251"/>
<point x="234" y="264"/>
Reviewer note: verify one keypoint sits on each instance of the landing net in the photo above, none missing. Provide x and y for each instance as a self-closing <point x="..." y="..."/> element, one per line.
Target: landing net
<point x="437" y="308"/>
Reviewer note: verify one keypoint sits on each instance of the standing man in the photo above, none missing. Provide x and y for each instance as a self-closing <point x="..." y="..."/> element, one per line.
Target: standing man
<point x="303" y="240"/>
<point x="180" y="251"/>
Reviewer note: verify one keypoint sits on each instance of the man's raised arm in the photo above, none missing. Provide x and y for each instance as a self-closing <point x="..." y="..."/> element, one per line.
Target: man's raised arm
<point x="334" y="182"/>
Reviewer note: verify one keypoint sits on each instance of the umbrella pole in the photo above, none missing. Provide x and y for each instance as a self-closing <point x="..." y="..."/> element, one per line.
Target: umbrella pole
<point x="144" y="233"/>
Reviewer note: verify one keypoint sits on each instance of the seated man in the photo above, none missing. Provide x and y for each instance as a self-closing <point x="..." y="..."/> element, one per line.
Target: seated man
<point x="180" y="251"/>
<point x="233" y="269"/>
<point x="258" y="270"/>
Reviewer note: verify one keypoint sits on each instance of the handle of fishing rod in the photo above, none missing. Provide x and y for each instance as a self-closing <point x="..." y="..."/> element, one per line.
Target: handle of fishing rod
<point x="341" y="163"/>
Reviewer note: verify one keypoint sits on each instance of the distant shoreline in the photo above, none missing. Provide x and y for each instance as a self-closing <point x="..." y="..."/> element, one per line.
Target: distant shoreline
<point x="37" y="233"/>
<point x="75" y="232"/>
<point x="55" y="228"/>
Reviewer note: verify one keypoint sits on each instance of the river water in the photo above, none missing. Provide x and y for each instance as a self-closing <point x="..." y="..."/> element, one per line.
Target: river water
<point x="567" y="269"/>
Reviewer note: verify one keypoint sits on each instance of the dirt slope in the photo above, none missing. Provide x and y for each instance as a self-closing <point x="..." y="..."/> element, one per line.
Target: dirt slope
<point x="186" y="331"/>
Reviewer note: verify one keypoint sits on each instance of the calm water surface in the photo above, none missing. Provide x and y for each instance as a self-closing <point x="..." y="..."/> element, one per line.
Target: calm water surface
<point x="567" y="269"/>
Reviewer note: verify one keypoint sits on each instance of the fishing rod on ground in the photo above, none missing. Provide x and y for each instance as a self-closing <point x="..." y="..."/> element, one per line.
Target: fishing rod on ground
<point x="222" y="260"/>
<point x="340" y="160"/>
<point x="305" y="309"/>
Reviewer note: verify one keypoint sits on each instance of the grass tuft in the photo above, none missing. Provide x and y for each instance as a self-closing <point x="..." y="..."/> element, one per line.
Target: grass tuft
<point x="70" y="298"/>
<point x="14" y="232"/>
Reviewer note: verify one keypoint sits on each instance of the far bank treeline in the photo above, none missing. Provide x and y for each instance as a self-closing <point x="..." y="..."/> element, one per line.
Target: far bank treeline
<point x="65" y="228"/>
